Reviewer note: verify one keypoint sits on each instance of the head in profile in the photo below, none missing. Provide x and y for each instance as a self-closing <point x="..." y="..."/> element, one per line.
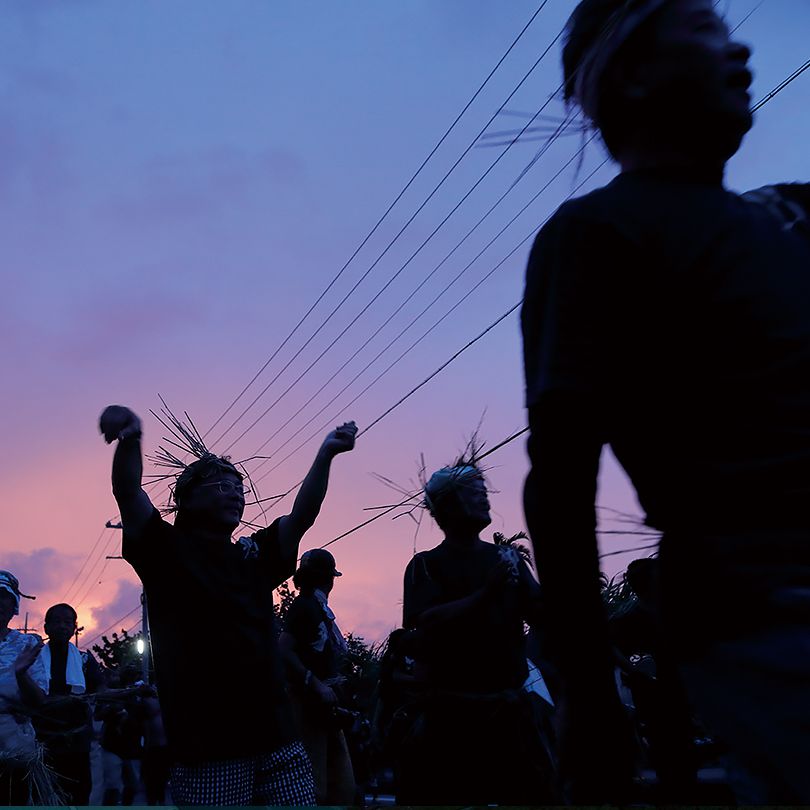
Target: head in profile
<point x="659" y="79"/>
<point x="9" y="598"/>
<point x="317" y="571"/>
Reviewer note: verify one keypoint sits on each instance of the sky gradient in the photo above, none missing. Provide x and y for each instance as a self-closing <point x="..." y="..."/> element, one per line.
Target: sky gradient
<point x="178" y="183"/>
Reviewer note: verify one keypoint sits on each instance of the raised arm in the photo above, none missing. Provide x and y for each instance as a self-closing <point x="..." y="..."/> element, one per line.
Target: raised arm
<point x="121" y="424"/>
<point x="310" y="496"/>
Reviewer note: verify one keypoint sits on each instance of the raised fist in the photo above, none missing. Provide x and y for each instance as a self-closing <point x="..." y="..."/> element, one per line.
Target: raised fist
<point x="341" y="438"/>
<point x="118" y="422"/>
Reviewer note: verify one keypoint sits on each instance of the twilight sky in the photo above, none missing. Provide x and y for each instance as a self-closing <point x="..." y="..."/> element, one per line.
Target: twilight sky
<point x="180" y="180"/>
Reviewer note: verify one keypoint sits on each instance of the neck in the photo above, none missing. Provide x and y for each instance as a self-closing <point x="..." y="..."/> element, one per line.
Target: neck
<point x="664" y="157"/>
<point x="59" y="646"/>
<point x="462" y="538"/>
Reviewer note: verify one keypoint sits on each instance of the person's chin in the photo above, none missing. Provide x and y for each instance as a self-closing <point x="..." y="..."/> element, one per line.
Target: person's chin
<point x="484" y="521"/>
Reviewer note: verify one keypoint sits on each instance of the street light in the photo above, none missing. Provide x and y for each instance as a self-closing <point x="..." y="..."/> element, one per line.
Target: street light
<point x="139" y="646"/>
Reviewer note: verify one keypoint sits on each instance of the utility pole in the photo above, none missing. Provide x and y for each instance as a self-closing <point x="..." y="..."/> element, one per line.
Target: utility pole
<point x="25" y="628"/>
<point x="147" y="643"/>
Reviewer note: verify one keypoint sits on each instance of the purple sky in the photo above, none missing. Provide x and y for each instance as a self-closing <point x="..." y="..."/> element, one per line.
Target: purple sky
<point x="178" y="182"/>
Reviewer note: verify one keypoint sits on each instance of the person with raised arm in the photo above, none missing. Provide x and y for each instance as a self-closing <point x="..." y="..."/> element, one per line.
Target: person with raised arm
<point x="210" y="602"/>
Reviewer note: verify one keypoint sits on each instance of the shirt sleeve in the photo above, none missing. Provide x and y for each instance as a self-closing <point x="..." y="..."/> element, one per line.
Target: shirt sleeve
<point x="278" y="567"/>
<point x="303" y="621"/>
<point x="573" y="284"/>
<point x="421" y="592"/>
<point x="38" y="672"/>
<point x="137" y="550"/>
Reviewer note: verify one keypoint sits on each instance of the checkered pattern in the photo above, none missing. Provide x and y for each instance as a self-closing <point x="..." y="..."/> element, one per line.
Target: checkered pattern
<point x="283" y="777"/>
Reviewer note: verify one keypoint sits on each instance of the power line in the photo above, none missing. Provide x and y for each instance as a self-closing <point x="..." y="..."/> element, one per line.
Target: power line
<point x="391" y="279"/>
<point x="112" y="626"/>
<point x="424" y="335"/>
<point x="387" y="248"/>
<point x="382" y="218"/>
<point x="84" y="564"/>
<point x="564" y="122"/>
<point x="781" y="86"/>
<point x="420" y="315"/>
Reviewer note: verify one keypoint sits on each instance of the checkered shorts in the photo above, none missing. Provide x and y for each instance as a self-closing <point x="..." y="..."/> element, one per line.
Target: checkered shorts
<point x="283" y="777"/>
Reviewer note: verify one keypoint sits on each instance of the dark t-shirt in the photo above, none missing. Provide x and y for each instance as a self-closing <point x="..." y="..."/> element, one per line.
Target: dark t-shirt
<point x="216" y="656"/>
<point x="485" y="651"/>
<point x="68" y="727"/>
<point x="683" y="309"/>
<point x="307" y="621"/>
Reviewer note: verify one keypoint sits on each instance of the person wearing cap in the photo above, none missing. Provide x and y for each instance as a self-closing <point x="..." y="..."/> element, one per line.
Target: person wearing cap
<point x="667" y="316"/>
<point x="239" y="747"/>
<point x="23" y="683"/>
<point x="314" y="653"/>
<point x="474" y="740"/>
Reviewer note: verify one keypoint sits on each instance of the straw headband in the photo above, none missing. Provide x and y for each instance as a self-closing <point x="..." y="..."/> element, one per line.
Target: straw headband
<point x="619" y="28"/>
<point x="446" y="479"/>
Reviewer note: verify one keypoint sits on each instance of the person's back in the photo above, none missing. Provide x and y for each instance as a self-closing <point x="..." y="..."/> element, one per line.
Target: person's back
<point x="691" y="328"/>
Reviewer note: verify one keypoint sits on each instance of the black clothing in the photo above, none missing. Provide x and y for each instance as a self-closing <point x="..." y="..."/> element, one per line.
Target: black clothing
<point x="309" y="624"/>
<point x="66" y="730"/>
<point x="475" y="751"/>
<point x="216" y="656"/>
<point x="484" y="652"/>
<point x="682" y="310"/>
<point x="473" y="668"/>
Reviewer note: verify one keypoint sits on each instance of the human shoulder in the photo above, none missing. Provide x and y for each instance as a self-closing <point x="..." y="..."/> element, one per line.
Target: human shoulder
<point x="151" y="539"/>
<point x="789" y="203"/>
<point x="304" y="615"/>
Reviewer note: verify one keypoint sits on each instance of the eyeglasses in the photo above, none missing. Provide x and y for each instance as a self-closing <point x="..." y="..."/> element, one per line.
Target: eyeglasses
<point x="227" y="487"/>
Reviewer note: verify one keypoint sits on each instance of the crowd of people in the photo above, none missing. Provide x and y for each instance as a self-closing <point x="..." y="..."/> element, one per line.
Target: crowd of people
<point x="664" y="316"/>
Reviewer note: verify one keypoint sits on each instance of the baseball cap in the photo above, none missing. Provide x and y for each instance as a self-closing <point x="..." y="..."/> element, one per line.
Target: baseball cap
<point x="319" y="559"/>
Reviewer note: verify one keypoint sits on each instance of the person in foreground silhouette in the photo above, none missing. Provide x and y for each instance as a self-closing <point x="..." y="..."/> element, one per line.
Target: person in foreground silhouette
<point x="667" y="316"/>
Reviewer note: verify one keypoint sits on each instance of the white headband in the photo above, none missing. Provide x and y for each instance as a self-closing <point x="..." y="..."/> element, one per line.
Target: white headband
<point x="595" y="60"/>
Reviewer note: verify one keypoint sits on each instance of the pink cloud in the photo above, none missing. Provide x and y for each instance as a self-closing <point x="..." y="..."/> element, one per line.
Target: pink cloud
<point x="110" y="617"/>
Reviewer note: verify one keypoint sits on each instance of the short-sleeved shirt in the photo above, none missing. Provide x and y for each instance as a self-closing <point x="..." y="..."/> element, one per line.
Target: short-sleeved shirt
<point x="215" y="650"/>
<point x="68" y="726"/>
<point x="11" y="647"/>
<point x="486" y="650"/>
<point x="308" y="623"/>
<point x="683" y="309"/>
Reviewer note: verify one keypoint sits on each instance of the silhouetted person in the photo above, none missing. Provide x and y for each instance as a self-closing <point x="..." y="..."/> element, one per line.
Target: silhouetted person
<point x="66" y="729"/>
<point x="668" y="317"/>
<point x="466" y="601"/>
<point x="23" y="681"/>
<point x="226" y="713"/>
<point x="315" y="652"/>
<point x="650" y="673"/>
<point x="156" y="760"/>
